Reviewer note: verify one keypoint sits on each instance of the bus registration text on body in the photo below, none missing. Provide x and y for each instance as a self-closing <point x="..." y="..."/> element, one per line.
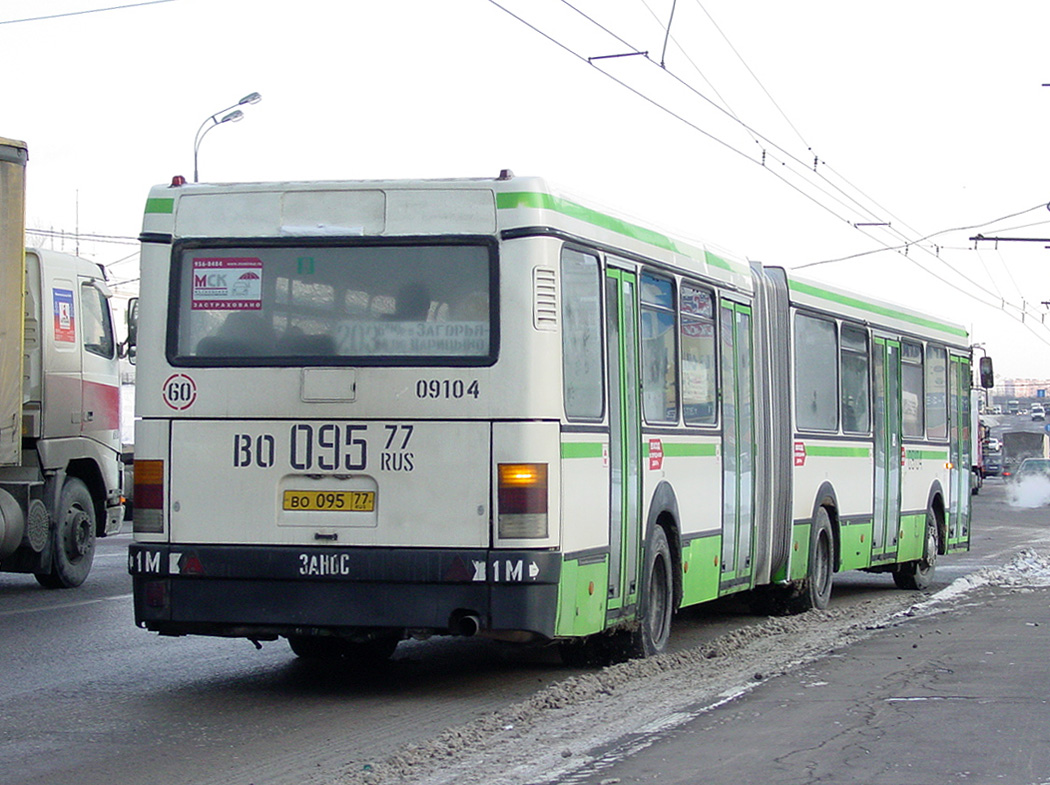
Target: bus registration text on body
<point x="328" y="447"/>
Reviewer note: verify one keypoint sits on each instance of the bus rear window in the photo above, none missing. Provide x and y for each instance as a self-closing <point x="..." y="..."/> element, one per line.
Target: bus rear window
<point x="360" y="303"/>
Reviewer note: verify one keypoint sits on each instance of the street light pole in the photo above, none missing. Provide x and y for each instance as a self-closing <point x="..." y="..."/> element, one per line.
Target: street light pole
<point x="235" y="116"/>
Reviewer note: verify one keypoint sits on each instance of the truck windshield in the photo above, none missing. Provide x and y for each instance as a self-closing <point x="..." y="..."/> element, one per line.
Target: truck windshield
<point x="355" y="303"/>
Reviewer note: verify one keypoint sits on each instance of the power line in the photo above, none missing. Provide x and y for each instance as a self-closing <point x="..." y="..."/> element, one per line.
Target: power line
<point x="804" y="172"/>
<point x="59" y="234"/>
<point x="82" y="13"/>
<point x="753" y="74"/>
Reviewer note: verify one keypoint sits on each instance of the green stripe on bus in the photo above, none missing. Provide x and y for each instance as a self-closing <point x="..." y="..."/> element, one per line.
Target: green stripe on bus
<point x="671" y="450"/>
<point x="926" y="455"/>
<point x="881" y="310"/>
<point x="544" y="201"/>
<point x="825" y="451"/>
<point x="717" y="261"/>
<point x="157" y="205"/>
<point x="581" y="449"/>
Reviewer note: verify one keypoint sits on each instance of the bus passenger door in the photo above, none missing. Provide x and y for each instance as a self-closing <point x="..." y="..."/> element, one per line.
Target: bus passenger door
<point x="887" y="391"/>
<point x="737" y="446"/>
<point x="959" y="426"/>
<point x="625" y="529"/>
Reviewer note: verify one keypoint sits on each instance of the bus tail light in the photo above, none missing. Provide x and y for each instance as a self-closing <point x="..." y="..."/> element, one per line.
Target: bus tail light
<point x="148" y="512"/>
<point x="522" y="501"/>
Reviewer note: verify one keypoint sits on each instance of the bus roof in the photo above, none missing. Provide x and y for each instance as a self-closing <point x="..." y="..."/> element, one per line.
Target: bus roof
<point x="389" y="208"/>
<point x="825" y="297"/>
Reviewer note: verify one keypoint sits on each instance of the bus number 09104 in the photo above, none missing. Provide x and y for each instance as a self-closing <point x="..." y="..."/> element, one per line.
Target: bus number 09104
<point x="447" y="388"/>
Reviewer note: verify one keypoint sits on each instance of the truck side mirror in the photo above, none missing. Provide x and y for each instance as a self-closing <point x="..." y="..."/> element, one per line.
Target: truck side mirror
<point x="132" y="316"/>
<point x="987" y="375"/>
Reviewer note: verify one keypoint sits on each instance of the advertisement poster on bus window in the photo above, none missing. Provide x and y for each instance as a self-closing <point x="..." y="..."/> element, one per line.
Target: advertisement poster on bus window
<point x="227" y="284"/>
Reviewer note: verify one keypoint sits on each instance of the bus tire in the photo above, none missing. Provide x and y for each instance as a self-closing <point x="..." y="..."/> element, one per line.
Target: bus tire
<point x="656" y="605"/>
<point x="814" y="591"/>
<point x="72" y="538"/>
<point x="918" y="575"/>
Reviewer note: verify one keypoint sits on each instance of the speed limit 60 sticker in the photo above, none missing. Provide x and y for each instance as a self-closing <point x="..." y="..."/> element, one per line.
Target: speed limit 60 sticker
<point x="180" y="391"/>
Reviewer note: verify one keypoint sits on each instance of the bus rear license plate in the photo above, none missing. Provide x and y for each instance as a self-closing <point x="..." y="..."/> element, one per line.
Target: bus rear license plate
<point x="330" y="501"/>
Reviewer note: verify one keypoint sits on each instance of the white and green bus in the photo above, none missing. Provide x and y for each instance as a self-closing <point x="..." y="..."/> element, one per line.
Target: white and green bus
<point x="373" y="410"/>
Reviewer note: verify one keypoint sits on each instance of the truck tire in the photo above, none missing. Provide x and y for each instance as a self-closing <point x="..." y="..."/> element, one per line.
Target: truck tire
<point x="72" y="538"/>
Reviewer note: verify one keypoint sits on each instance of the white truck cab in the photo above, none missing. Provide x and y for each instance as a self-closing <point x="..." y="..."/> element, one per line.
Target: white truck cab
<point x="60" y="445"/>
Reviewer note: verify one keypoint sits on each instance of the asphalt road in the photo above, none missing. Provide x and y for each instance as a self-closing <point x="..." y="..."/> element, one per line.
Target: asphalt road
<point x="89" y="699"/>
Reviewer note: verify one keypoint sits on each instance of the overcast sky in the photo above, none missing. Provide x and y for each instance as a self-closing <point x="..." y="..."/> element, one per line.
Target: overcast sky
<point x="927" y="116"/>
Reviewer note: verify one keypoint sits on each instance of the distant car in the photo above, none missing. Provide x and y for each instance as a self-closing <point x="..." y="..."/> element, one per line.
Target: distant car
<point x="993" y="464"/>
<point x="1032" y="467"/>
<point x="1038" y="412"/>
<point x="993" y="445"/>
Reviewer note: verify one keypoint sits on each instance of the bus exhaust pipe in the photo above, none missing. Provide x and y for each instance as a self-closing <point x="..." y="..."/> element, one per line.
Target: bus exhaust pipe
<point x="465" y="624"/>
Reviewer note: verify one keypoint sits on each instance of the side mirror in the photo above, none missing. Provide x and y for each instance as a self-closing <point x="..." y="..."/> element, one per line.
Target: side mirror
<point x="133" y="321"/>
<point x="127" y="349"/>
<point x="987" y="375"/>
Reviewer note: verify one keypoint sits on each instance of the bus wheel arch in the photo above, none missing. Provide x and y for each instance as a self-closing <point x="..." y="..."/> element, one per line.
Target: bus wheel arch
<point x="663" y="512"/>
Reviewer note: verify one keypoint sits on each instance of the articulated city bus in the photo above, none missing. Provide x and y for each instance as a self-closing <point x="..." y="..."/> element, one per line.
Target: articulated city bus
<point x="373" y="410"/>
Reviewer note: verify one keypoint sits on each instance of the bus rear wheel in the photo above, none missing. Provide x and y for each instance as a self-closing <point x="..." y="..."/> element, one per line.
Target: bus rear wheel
<point x="657" y="600"/>
<point x="814" y="592"/>
<point x="655" y="610"/>
<point x="918" y="575"/>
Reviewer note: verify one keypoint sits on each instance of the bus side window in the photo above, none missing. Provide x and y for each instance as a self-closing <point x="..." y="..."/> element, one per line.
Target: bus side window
<point x="699" y="387"/>
<point x="816" y="374"/>
<point x="581" y="335"/>
<point x="912" y="397"/>
<point x="856" y="414"/>
<point x="659" y="352"/>
<point x="936" y="392"/>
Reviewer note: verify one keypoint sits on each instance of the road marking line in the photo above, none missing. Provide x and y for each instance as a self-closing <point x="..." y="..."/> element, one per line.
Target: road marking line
<point x="67" y="605"/>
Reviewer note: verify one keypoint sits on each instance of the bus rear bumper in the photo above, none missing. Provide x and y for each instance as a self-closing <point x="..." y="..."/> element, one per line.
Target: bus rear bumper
<point x="266" y="591"/>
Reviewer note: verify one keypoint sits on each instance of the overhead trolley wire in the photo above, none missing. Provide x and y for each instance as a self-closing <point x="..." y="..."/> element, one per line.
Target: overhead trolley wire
<point x="804" y="166"/>
<point x="96" y="238"/>
<point x="82" y="13"/>
<point x="806" y="171"/>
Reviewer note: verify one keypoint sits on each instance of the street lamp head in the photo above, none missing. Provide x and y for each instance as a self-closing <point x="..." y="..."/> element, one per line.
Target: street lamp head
<point x="233" y="117"/>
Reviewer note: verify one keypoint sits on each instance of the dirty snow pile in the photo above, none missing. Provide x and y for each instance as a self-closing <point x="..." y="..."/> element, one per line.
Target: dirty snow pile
<point x="1028" y="568"/>
<point x="547" y="737"/>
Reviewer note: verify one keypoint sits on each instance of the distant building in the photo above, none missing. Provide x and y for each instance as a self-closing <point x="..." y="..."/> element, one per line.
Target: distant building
<point x="1020" y="389"/>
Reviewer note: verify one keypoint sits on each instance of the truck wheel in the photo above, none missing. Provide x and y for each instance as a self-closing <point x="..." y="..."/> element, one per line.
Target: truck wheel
<point x="72" y="539"/>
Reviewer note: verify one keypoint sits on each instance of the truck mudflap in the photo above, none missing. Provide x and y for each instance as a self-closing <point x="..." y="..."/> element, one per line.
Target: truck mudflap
<point x="263" y="591"/>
